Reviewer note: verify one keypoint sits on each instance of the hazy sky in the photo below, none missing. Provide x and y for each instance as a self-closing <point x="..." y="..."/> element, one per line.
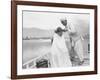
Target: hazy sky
<point x="49" y="20"/>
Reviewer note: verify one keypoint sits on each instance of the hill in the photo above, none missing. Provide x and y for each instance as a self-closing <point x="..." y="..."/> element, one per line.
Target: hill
<point x="35" y="33"/>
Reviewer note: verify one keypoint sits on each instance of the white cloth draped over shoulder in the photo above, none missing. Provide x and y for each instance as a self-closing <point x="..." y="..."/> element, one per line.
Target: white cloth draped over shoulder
<point x="59" y="52"/>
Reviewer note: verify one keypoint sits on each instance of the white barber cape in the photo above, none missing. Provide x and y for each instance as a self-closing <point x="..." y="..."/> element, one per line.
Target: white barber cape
<point x="59" y="52"/>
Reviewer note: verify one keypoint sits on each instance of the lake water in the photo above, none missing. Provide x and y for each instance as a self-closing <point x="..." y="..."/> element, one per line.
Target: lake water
<point x="34" y="48"/>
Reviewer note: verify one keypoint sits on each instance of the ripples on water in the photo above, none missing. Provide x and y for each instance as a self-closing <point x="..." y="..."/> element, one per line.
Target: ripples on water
<point x="32" y="48"/>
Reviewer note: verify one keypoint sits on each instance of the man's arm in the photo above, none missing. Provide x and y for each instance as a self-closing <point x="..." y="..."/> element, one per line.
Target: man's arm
<point x="71" y="29"/>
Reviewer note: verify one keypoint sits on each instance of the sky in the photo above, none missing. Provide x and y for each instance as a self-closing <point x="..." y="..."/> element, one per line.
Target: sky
<point x="51" y="20"/>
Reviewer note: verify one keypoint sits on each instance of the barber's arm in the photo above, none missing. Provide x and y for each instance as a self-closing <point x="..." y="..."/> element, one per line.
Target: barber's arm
<point x="71" y="29"/>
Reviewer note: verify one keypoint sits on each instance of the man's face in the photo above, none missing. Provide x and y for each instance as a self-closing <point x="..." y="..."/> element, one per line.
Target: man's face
<point x="64" y="22"/>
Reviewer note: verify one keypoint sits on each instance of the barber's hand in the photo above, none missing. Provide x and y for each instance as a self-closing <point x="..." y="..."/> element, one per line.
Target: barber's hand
<point x="66" y="28"/>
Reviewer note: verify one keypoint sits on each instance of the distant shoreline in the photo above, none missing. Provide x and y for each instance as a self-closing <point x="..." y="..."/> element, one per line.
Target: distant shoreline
<point x="38" y="40"/>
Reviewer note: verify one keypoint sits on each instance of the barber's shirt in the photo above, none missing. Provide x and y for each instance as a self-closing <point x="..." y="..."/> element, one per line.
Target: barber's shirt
<point x="72" y="32"/>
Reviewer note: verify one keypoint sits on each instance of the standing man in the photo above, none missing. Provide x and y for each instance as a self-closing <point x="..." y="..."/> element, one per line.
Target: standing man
<point x="75" y="39"/>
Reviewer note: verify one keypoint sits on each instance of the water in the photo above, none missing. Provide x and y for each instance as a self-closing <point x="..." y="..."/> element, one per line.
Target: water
<point x="34" y="48"/>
